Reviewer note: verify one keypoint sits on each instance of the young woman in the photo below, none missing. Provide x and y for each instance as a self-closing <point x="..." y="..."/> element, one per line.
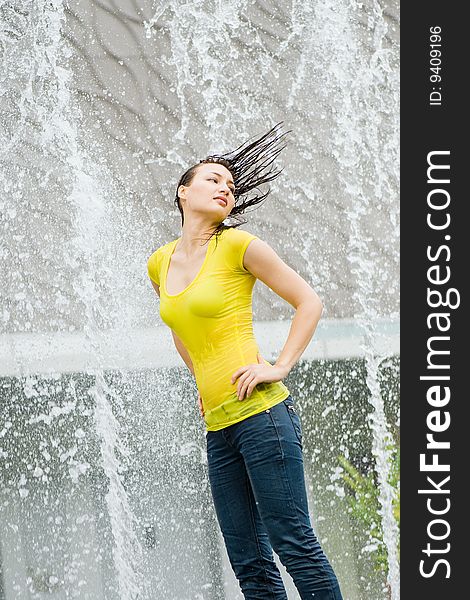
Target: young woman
<point x="254" y="435"/>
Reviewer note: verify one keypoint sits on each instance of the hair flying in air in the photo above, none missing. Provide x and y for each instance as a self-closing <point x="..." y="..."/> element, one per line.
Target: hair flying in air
<point x="251" y="166"/>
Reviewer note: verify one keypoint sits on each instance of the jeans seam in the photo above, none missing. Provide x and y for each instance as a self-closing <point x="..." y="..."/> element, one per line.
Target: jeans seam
<point x="286" y="478"/>
<point x="268" y="584"/>
<point x="277" y="435"/>
<point x="227" y="441"/>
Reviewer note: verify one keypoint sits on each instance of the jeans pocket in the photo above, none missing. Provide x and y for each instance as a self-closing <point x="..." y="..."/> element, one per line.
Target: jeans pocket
<point x="294" y="417"/>
<point x="288" y="401"/>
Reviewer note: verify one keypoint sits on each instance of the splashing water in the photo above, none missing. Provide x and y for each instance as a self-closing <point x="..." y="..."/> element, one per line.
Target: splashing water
<point x="45" y="99"/>
<point x="101" y="110"/>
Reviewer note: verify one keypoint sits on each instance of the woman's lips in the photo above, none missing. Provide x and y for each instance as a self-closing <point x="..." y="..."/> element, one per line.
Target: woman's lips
<point x="222" y="200"/>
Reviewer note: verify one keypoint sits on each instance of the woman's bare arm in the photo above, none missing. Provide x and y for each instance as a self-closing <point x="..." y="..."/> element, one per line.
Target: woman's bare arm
<point x="263" y="262"/>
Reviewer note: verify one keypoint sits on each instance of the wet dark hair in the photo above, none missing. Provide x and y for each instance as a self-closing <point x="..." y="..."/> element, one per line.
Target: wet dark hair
<point x="251" y="165"/>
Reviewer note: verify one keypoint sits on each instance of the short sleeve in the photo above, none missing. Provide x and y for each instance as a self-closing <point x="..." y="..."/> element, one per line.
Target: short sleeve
<point x="154" y="265"/>
<point x="239" y="243"/>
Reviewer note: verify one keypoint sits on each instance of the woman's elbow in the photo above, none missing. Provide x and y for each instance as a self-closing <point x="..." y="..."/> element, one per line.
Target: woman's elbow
<point x="315" y="301"/>
<point x="320" y="306"/>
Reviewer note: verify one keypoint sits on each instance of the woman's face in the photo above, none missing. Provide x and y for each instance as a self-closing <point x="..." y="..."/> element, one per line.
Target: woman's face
<point x="210" y="191"/>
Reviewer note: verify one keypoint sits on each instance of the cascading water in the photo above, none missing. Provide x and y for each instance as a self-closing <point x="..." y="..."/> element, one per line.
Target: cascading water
<point x="369" y="174"/>
<point x="103" y="483"/>
<point x="91" y="254"/>
<point x="45" y="101"/>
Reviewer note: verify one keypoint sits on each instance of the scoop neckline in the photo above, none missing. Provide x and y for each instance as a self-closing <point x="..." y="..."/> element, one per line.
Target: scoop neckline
<point x="167" y="268"/>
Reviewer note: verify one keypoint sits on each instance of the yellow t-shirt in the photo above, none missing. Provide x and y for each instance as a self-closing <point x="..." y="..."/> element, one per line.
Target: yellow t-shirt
<point x="213" y="318"/>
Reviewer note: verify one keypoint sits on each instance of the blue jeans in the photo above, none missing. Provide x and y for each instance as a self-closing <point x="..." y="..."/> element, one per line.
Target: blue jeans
<point x="257" y="480"/>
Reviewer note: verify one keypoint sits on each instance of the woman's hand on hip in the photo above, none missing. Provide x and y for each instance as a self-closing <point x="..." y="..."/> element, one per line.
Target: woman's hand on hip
<point x="250" y="375"/>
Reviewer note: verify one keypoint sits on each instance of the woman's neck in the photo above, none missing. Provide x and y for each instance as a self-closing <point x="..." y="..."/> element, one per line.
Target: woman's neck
<point x="195" y="235"/>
